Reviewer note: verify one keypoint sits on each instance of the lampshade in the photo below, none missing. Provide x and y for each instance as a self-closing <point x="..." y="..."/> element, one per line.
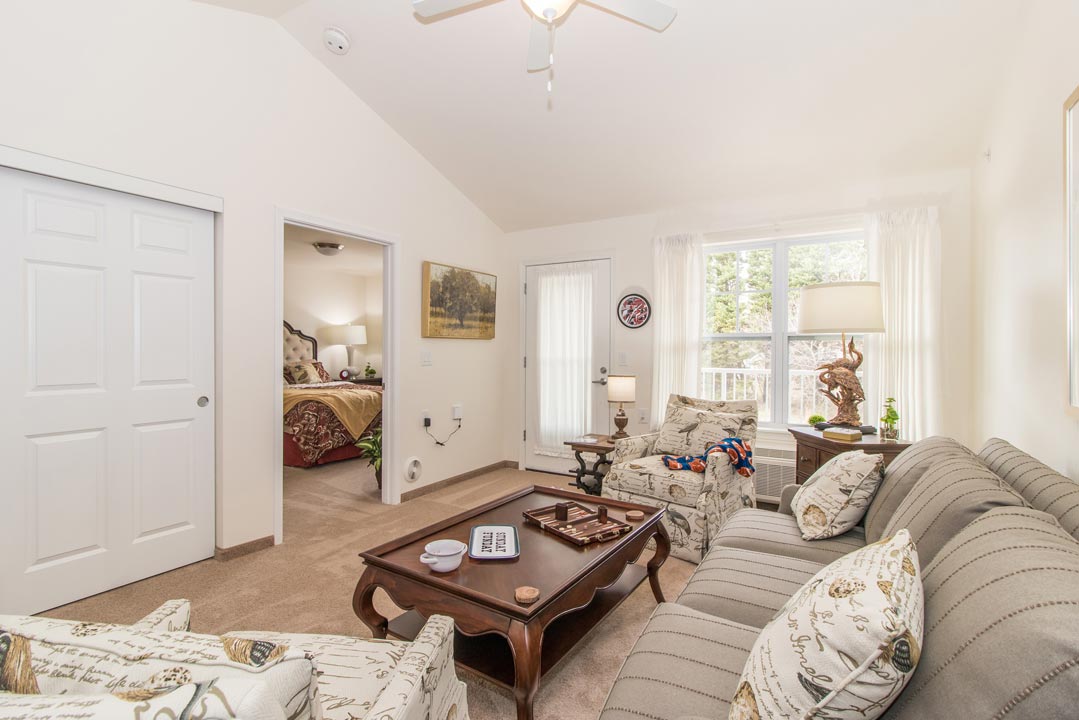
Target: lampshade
<point x="621" y="388"/>
<point x="346" y="335"/>
<point x="850" y="307"/>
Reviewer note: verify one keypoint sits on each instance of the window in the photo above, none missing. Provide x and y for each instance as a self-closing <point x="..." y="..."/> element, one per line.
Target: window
<point x="751" y="348"/>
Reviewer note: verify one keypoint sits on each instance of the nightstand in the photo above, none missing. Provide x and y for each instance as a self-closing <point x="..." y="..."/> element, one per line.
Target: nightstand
<point x="367" y="381"/>
<point x="814" y="450"/>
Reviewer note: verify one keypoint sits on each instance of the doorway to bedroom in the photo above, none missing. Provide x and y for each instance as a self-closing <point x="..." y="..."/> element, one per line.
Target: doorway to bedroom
<point x="333" y="351"/>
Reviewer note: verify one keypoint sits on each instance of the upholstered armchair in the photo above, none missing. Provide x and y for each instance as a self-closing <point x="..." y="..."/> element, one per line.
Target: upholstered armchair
<point x="697" y="504"/>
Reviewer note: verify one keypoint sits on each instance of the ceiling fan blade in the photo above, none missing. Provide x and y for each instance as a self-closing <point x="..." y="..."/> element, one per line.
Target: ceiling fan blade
<point x="539" y="46"/>
<point x="430" y="8"/>
<point x="652" y="13"/>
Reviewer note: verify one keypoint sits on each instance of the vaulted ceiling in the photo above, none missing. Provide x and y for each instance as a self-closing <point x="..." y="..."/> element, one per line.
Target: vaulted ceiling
<point x="737" y="98"/>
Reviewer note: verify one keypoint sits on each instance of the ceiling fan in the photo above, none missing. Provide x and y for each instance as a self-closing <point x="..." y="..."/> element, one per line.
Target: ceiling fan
<point x="650" y="13"/>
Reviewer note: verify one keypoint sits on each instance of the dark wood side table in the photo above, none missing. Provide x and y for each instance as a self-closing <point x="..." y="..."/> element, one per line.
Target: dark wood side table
<point x="600" y="445"/>
<point x="508" y="643"/>
<point x="367" y="381"/>
<point x="814" y="450"/>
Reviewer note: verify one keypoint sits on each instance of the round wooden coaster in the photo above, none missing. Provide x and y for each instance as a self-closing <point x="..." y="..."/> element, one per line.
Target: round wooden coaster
<point x="634" y="515"/>
<point x="526" y="595"/>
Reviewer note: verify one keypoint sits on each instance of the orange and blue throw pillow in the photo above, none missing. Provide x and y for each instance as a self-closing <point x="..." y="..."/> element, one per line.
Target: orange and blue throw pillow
<point x="738" y="451"/>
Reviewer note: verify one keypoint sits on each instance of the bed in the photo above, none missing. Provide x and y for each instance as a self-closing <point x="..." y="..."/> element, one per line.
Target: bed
<point x="323" y="420"/>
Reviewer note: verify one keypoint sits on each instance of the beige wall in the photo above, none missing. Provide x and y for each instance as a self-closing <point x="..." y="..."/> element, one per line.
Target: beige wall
<point x="1021" y="349"/>
<point x="629" y="241"/>
<point x="229" y="104"/>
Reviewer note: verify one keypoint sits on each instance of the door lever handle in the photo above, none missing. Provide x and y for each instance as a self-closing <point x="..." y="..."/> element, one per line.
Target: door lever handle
<point x="601" y="381"/>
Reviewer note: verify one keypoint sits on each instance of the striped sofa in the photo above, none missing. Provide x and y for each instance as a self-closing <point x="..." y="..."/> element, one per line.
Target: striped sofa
<point x="998" y="540"/>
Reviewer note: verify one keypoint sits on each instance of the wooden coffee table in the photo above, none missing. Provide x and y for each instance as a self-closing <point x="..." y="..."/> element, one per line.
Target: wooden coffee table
<point x="511" y="644"/>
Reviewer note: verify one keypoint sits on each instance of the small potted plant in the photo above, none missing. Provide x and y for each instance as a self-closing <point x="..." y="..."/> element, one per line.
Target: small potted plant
<point x="815" y="420"/>
<point x="889" y="428"/>
<point x="369" y="372"/>
<point x="371" y="445"/>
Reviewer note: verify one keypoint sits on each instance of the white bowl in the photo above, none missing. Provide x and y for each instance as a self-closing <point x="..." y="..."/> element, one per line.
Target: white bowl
<point x="444" y="555"/>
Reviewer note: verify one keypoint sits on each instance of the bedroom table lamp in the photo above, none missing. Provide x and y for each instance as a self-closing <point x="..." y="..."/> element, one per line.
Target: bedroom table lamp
<point x="621" y="389"/>
<point x="842" y="307"/>
<point x="351" y="336"/>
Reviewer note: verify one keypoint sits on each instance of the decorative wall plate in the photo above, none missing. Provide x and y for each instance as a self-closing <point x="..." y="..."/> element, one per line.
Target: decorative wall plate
<point x="634" y="310"/>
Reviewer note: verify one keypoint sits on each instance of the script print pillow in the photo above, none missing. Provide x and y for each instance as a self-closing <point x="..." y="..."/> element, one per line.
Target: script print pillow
<point x="837" y="495"/>
<point x="845" y="645"/>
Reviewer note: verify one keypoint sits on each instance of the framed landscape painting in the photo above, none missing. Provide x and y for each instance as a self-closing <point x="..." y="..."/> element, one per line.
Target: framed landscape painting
<point x="458" y="303"/>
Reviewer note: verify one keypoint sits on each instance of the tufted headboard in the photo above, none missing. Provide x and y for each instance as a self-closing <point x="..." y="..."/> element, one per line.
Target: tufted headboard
<point x="298" y="347"/>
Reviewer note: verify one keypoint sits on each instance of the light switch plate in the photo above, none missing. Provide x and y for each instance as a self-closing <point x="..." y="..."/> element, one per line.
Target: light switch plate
<point x="425" y="359"/>
<point x="642" y="416"/>
<point x="623" y="360"/>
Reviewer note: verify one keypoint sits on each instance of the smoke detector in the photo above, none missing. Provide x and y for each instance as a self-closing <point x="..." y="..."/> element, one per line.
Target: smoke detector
<point x="336" y="40"/>
<point x="328" y="249"/>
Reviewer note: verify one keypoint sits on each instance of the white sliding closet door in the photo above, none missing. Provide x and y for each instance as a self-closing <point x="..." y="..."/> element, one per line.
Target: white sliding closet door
<point x="106" y="419"/>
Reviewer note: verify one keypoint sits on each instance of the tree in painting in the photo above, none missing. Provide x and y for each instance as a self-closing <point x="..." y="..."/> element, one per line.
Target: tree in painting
<point x="461" y="303"/>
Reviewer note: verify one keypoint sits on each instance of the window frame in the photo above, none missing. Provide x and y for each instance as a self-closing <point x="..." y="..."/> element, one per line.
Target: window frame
<point x="781" y="334"/>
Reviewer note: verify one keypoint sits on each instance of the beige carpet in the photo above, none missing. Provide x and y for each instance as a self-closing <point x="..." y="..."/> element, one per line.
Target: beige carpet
<point x="305" y="584"/>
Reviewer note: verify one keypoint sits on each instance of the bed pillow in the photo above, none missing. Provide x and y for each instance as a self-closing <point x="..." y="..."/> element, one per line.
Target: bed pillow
<point x="836" y="496"/>
<point x="845" y="645"/>
<point x="308" y="373"/>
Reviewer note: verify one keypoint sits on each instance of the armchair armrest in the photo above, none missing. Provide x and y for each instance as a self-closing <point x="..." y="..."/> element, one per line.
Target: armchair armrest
<point x="634" y="448"/>
<point x="172" y="616"/>
<point x="786" y="498"/>
<point x="424" y="682"/>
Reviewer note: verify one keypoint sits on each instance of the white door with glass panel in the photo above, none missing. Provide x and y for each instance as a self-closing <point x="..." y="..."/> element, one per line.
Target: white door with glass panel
<point x="107" y="432"/>
<point x="567" y="358"/>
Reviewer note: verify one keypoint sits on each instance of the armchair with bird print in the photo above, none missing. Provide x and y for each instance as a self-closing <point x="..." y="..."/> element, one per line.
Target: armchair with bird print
<point x="697" y="504"/>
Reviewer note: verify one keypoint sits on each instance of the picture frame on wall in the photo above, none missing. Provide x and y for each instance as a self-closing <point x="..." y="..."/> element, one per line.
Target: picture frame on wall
<point x="458" y="302"/>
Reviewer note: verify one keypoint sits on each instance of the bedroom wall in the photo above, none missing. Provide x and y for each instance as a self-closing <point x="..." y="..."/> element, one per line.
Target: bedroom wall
<point x="316" y="299"/>
<point x="629" y="241"/>
<point x="229" y="104"/>
<point x="1021" y="341"/>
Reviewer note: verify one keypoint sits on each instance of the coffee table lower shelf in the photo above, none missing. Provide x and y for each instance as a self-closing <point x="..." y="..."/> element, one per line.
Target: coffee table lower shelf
<point x="490" y="656"/>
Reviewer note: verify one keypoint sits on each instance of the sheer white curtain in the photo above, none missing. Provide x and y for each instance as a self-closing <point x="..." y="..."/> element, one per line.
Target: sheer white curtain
<point x="905" y="245"/>
<point x="677" y="309"/>
<point x="564" y="347"/>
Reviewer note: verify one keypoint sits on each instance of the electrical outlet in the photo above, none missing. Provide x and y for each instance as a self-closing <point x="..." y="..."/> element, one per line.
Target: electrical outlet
<point x="458" y="412"/>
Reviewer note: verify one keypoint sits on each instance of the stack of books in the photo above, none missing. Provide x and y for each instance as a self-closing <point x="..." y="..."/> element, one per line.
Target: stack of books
<point x="843" y="434"/>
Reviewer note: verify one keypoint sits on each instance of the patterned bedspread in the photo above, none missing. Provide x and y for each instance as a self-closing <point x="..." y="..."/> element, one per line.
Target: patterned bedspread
<point x="317" y="429"/>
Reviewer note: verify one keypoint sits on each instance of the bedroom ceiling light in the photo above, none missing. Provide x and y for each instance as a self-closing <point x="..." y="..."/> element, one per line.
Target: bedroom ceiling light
<point x="328" y="249"/>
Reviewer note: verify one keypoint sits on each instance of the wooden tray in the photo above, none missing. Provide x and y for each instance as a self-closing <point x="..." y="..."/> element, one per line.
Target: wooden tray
<point x="582" y="525"/>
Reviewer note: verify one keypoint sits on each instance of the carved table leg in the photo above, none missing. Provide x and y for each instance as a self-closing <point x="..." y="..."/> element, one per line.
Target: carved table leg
<point x="663" y="549"/>
<point x="526" y="641"/>
<point x="364" y="606"/>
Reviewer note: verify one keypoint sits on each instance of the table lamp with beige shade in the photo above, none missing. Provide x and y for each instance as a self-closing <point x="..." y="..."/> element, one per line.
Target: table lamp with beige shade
<point x="842" y="307"/>
<point x="351" y="336"/>
<point x="621" y="389"/>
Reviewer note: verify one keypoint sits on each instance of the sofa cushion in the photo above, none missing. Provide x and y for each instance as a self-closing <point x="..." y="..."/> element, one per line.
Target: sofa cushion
<point x="691" y="425"/>
<point x="353" y="672"/>
<point x="1042" y="487"/>
<point x="845" y="645"/>
<point x="650" y="476"/>
<point x="901" y="475"/>
<point x="90" y="658"/>
<point x="685" y="663"/>
<point x="1001" y="622"/>
<point x="219" y="699"/>
<point x="171" y="616"/>
<point x="946" y="499"/>
<point x="745" y="586"/>
<point x="771" y="532"/>
<point x="835" y="497"/>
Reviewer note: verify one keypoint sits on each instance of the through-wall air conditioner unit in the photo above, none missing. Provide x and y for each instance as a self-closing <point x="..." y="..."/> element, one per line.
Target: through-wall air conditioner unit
<point x="775" y="470"/>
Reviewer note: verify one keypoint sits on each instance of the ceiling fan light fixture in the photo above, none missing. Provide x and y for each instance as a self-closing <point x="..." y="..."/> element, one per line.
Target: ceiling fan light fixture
<point x="328" y="249"/>
<point x="549" y="10"/>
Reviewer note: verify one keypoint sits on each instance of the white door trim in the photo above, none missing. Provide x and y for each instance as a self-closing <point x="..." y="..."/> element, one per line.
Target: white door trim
<point x="391" y="482"/>
<point x="609" y="255"/>
<point x="49" y="166"/>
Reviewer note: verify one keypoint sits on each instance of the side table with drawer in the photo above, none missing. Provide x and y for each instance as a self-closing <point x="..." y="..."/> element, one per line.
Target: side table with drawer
<point x="814" y="450"/>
